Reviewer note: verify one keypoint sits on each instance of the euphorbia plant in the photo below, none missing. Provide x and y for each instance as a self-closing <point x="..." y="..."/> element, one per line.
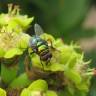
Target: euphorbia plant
<point x="13" y="41"/>
<point x="66" y="73"/>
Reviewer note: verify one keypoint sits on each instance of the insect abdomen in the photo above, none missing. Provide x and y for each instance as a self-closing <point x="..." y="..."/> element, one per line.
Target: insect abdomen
<point x="45" y="55"/>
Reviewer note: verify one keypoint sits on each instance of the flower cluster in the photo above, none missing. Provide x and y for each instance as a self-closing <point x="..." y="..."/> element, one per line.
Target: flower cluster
<point x="12" y="28"/>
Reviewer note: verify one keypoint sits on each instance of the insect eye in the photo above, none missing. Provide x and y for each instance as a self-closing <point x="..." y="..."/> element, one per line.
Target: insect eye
<point x="32" y="45"/>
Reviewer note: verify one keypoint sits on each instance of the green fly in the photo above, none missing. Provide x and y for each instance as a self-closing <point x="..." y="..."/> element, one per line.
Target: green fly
<point x="39" y="45"/>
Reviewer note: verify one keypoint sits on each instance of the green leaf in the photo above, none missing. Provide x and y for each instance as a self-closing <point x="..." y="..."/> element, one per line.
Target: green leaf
<point x="12" y="52"/>
<point x="2" y="92"/>
<point x="8" y="74"/>
<point x="39" y="85"/>
<point x="20" y="82"/>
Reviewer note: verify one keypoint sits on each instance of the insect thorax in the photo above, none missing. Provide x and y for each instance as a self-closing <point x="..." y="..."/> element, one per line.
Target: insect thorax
<point x="38" y="44"/>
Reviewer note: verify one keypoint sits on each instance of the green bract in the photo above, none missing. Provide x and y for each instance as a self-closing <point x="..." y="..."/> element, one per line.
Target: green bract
<point x="38" y="88"/>
<point x="11" y="53"/>
<point x="39" y="85"/>
<point x="2" y="92"/>
<point x="25" y="92"/>
<point x="13" y="20"/>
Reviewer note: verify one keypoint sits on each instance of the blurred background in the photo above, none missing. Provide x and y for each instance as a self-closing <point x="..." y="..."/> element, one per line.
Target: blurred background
<point x="72" y="20"/>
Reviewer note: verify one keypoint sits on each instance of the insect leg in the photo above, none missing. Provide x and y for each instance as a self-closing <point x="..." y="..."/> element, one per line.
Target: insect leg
<point x="42" y="63"/>
<point x="48" y="62"/>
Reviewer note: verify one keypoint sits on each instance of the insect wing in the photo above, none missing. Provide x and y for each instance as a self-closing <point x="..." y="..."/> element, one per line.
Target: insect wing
<point x="38" y="30"/>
